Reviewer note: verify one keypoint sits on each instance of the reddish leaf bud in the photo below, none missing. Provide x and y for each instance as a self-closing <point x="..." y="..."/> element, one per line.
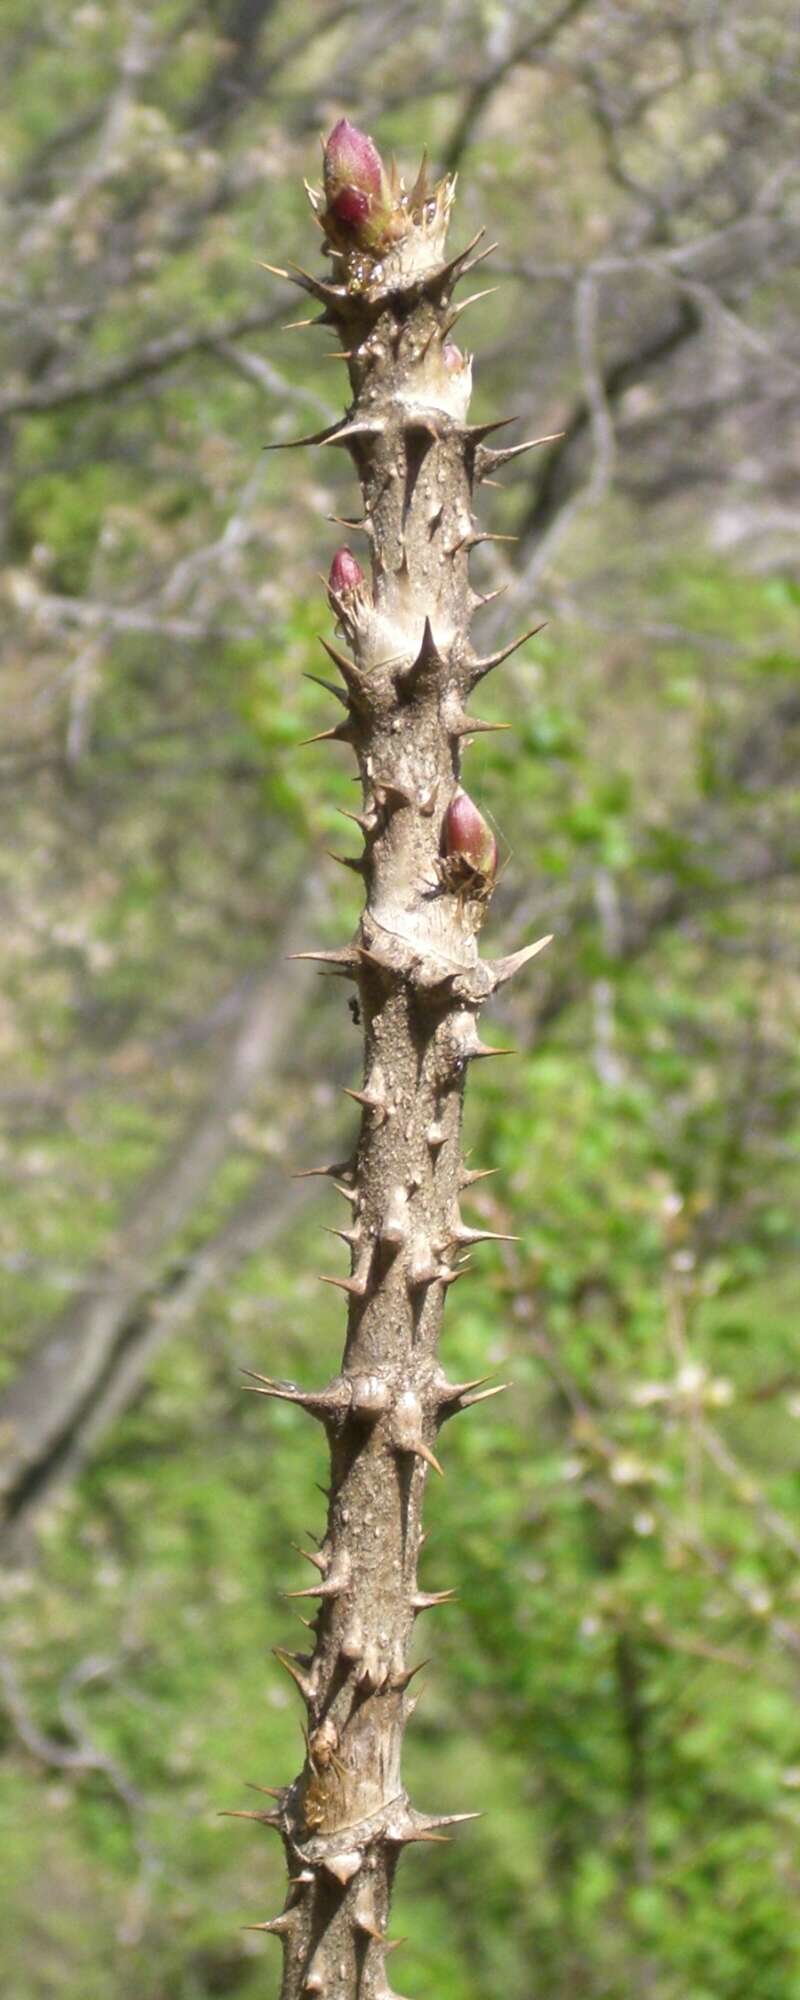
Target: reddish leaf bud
<point x="351" y="208"/>
<point x="345" y="573"/>
<point x="358" y="201"/>
<point x="351" y="159"/>
<point x="467" y="835"/>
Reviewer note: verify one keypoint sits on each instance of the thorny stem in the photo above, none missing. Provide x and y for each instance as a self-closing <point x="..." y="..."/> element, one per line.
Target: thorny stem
<point x="407" y="676"/>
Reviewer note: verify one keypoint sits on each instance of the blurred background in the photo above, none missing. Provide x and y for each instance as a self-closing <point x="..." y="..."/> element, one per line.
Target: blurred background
<point x="617" y="1684"/>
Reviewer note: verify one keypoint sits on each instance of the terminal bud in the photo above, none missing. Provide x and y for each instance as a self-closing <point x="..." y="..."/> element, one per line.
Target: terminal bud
<point x="357" y="196"/>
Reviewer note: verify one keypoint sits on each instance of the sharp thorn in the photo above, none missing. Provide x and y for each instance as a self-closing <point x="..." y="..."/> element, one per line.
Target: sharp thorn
<point x="505" y="968"/>
<point x="292" y="1596"/>
<point x="473" y="262"/>
<point x="488" y="460"/>
<point x="330" y="688"/>
<point x="474" y="725"/>
<point x="288" y="1660"/>
<point x="276" y="1927"/>
<point x="467" y="1237"/>
<point x="317" y="1562"/>
<point x="401" y="1681"/>
<point x="451" y="1392"/>
<point x="483" y="535"/>
<point x="450" y="1819"/>
<point x="344" y="433"/>
<point x="475" y="433"/>
<point x="341" y="734"/>
<point x="471" y="301"/>
<point x="479" y="668"/>
<point x="328" y="295"/>
<point x="362" y="820"/>
<point x="364" y="1097"/>
<point x="423" y="1451"/>
<point x="355" y="862"/>
<point x="296" y="444"/>
<point x="346" y="957"/>
<point x="347" y="667"/>
<point x="455" y="268"/>
<point x="426" y="662"/>
<point x="497" y="1389"/>
<point x="342" y="521"/>
<point x="288" y="1392"/>
<point x="355" y="1286"/>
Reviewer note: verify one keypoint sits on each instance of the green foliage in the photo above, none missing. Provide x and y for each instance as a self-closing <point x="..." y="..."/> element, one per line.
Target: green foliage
<point x="616" y="1685"/>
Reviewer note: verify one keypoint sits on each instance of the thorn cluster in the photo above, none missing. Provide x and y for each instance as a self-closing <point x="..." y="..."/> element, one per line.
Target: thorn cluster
<point x="406" y="669"/>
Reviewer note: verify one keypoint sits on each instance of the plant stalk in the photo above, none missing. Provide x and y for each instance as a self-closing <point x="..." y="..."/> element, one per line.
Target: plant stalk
<point x="407" y="670"/>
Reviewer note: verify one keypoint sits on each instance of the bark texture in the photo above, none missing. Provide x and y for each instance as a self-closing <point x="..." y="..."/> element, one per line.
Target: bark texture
<point x="407" y="673"/>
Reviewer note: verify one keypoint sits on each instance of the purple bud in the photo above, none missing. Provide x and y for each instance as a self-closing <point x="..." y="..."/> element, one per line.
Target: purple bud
<point x="345" y="573"/>
<point x="452" y="357"/>
<point x="350" y="208"/>
<point x="351" y="159"/>
<point x="357" y="195"/>
<point x="466" y="833"/>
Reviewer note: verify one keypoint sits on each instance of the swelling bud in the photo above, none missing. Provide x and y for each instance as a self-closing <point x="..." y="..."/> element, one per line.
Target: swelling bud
<point x="345" y="573"/>
<point x="469" y="843"/>
<point x="350" y="209"/>
<point x="357" y="197"/>
<point x="352" y="159"/>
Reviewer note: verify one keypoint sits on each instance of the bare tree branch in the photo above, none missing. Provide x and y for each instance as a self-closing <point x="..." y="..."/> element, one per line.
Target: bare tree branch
<point x="151" y="359"/>
<point x="492" y="76"/>
<point x="38" y="1411"/>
